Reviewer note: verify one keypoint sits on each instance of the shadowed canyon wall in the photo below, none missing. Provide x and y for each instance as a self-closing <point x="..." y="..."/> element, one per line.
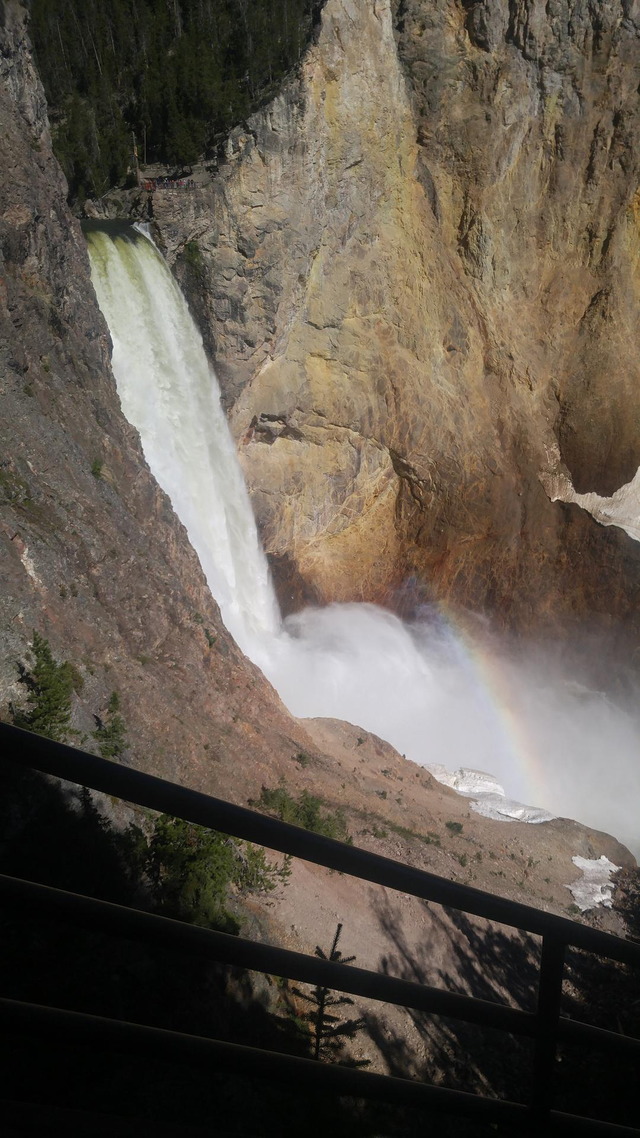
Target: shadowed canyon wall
<point x="92" y="556"/>
<point x="417" y="272"/>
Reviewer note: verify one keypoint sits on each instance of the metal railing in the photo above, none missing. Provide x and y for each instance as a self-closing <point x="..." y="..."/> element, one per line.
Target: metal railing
<point x="546" y="1027"/>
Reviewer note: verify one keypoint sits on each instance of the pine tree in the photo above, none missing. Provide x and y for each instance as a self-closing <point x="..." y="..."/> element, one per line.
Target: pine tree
<point x="110" y="733"/>
<point x="328" y="1030"/>
<point x="191" y="868"/>
<point x="178" y="73"/>
<point x="50" y="686"/>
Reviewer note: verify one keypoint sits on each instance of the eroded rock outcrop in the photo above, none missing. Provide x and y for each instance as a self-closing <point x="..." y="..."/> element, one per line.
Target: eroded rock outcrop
<point x="417" y="271"/>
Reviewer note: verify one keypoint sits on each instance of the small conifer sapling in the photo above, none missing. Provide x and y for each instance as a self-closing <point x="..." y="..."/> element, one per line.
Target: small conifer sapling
<point x="328" y="1030"/>
<point x="110" y="733"/>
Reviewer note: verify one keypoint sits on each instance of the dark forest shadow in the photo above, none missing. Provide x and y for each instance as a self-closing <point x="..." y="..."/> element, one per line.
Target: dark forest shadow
<point x="55" y="835"/>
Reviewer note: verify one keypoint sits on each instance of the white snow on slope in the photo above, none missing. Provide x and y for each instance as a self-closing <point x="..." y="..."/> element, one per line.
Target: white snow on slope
<point x="504" y="809"/>
<point x="621" y="509"/>
<point x="594" y="887"/>
<point x="488" y="796"/>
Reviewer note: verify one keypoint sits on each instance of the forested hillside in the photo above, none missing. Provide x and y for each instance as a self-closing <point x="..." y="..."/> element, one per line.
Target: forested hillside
<point x="176" y="73"/>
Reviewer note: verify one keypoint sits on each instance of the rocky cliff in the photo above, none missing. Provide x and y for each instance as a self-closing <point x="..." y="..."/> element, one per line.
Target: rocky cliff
<point x="417" y="274"/>
<point x="93" y="557"/>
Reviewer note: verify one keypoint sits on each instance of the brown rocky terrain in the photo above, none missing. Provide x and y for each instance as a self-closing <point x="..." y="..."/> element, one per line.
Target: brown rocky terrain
<point x="396" y="809"/>
<point x="373" y="392"/>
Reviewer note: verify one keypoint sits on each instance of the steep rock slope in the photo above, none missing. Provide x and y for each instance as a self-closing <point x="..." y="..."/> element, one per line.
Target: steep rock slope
<point x="417" y="272"/>
<point x="92" y="555"/>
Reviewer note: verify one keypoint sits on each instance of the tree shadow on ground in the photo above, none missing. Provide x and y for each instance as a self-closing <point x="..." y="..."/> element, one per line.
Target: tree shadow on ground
<point x="592" y="1080"/>
<point x="463" y="955"/>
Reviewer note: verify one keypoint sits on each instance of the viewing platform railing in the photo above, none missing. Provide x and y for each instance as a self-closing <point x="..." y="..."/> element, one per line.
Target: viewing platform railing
<point x="546" y="1026"/>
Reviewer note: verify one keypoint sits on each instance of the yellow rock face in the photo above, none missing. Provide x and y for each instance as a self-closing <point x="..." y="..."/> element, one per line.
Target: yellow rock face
<point x="422" y="267"/>
<point x="379" y="362"/>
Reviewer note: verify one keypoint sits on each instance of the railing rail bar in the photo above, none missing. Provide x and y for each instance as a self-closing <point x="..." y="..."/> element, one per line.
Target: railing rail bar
<point x="561" y="1123"/>
<point x="158" y="794"/>
<point x="575" y="1031"/>
<point x="80" y="1028"/>
<point x="549" y="999"/>
<point x="44" y="1118"/>
<point x="90" y="912"/>
<point x="44" y="1023"/>
<point x="120" y="920"/>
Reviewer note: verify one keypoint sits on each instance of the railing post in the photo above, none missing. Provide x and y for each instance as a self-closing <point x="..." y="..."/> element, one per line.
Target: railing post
<point x="549" y="997"/>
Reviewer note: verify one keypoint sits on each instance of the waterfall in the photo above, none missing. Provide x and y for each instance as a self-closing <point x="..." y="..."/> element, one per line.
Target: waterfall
<point x="171" y="395"/>
<point x="439" y="698"/>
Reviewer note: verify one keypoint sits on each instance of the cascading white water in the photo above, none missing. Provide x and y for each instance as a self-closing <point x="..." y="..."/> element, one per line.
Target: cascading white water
<point x="420" y="686"/>
<point x="170" y="394"/>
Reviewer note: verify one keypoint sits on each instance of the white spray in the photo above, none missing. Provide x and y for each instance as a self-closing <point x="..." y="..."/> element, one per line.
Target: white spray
<point x="544" y="737"/>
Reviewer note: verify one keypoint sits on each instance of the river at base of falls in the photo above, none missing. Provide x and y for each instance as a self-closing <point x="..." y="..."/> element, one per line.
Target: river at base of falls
<point x="439" y="696"/>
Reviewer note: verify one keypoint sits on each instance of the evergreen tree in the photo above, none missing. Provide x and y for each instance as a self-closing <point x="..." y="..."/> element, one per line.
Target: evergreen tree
<point x="192" y="870"/>
<point x="328" y="1030"/>
<point x="307" y="811"/>
<point x="110" y="733"/>
<point x="50" y="686"/>
<point x="176" y="74"/>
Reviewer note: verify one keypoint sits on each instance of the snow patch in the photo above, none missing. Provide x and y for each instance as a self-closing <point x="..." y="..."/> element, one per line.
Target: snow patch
<point x="621" y="509"/>
<point x="489" y="798"/>
<point x="594" y="887"/>
<point x="503" y="809"/>
<point x="468" y="781"/>
<point x="29" y="566"/>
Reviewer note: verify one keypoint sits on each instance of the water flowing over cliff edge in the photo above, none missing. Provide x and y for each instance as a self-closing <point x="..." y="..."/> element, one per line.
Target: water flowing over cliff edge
<point x="438" y="695"/>
<point x="170" y="395"/>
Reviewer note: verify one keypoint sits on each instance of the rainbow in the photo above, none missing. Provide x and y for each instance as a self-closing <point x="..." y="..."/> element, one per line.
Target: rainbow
<point x="519" y="761"/>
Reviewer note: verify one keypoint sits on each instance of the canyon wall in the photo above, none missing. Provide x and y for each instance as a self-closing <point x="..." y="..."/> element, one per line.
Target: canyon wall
<point x="416" y="272"/>
<point x="93" y="557"/>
